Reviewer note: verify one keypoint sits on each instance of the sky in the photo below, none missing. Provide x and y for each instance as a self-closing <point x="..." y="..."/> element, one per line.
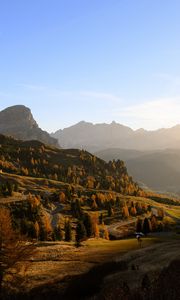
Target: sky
<point x="98" y="61"/>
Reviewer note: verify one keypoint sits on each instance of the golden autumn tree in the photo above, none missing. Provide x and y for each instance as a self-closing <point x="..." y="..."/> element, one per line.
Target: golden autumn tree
<point x="36" y="229"/>
<point x="62" y="197"/>
<point x="133" y="211"/>
<point x="94" y="204"/>
<point x="96" y="230"/>
<point x="125" y="211"/>
<point x="45" y="228"/>
<point x="14" y="248"/>
<point x="105" y="233"/>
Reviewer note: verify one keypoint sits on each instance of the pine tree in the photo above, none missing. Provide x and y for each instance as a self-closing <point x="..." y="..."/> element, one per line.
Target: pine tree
<point x="88" y="225"/>
<point x="58" y="233"/>
<point x="68" y="231"/>
<point x="146" y="228"/>
<point x="9" y="188"/>
<point x="139" y="225"/>
<point x="81" y="233"/>
<point x="101" y="218"/>
<point x="16" y="187"/>
<point x="110" y="209"/>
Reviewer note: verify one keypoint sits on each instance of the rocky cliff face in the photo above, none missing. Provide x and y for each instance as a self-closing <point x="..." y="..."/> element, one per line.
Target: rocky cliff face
<point x="18" y="121"/>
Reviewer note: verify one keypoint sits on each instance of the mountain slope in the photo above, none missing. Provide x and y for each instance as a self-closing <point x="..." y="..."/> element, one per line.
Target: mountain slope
<point x="95" y="137"/>
<point x="92" y="137"/>
<point x="18" y="121"/>
<point x="159" y="170"/>
<point x="33" y="158"/>
<point x="116" y="153"/>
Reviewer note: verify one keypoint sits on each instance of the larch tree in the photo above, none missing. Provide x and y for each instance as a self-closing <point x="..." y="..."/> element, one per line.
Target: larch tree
<point x="36" y="229"/>
<point x="14" y="248"/>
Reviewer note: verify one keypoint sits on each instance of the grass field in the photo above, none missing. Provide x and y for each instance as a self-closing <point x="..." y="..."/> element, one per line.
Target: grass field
<point x="57" y="265"/>
<point x="174" y="212"/>
<point x="56" y="260"/>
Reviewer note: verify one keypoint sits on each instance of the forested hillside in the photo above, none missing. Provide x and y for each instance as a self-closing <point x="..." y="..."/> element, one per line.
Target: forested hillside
<point x="35" y="159"/>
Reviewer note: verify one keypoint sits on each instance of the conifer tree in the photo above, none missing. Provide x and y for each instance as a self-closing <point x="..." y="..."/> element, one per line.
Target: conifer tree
<point x="68" y="231"/>
<point x="88" y="225"/>
<point x="146" y="228"/>
<point x="139" y="225"/>
<point x="81" y="233"/>
<point x="58" y="235"/>
<point x="101" y="218"/>
<point x="9" y="188"/>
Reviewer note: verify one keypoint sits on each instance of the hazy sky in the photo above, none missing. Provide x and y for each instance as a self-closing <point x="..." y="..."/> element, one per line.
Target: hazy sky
<point x="93" y="60"/>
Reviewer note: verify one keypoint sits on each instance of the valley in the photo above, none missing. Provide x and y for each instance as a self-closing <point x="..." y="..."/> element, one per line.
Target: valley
<point x="71" y="221"/>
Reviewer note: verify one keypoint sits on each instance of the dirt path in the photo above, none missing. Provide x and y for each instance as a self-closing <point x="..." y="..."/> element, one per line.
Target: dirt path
<point x="116" y="230"/>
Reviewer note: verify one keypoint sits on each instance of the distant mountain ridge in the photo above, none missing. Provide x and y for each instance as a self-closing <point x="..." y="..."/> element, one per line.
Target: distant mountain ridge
<point x="95" y="137"/>
<point x="17" y="121"/>
<point x="157" y="169"/>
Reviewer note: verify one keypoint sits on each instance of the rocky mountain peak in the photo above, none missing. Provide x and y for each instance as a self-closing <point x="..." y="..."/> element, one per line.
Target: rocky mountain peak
<point x="17" y="116"/>
<point x="17" y="121"/>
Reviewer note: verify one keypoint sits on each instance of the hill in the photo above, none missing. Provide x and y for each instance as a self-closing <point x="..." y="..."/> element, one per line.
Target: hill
<point x="18" y="121"/>
<point x="33" y="158"/>
<point x="95" y="137"/>
<point x="116" y="153"/>
<point x="159" y="170"/>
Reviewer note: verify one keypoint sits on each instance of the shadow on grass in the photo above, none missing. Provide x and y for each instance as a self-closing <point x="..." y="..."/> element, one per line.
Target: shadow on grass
<point x="88" y="284"/>
<point x="76" y="287"/>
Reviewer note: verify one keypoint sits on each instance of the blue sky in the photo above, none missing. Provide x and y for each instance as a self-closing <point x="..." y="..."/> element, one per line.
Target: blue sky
<point x="73" y="60"/>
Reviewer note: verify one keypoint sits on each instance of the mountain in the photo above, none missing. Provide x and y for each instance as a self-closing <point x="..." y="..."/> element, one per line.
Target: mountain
<point x="159" y="169"/>
<point x="95" y="137"/>
<point x="116" y="153"/>
<point x="35" y="159"/>
<point x="18" y="121"/>
<point x="92" y="137"/>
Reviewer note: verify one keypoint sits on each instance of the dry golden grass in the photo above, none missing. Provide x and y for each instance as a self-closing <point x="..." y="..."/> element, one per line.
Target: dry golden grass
<point x="56" y="260"/>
